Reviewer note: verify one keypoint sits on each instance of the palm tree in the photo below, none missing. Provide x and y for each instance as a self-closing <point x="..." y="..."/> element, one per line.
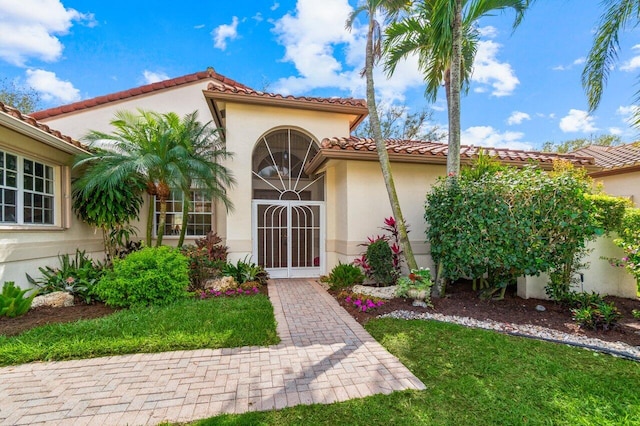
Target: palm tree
<point x="205" y="172"/>
<point x="444" y="35"/>
<point x="618" y="15"/>
<point x="147" y="145"/>
<point x="390" y="8"/>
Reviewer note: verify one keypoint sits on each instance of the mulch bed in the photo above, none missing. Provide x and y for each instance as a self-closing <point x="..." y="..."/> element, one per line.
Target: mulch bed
<point x="461" y="300"/>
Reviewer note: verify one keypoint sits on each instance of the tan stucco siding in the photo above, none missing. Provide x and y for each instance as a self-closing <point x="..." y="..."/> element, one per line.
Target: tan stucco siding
<point x="361" y="204"/>
<point x="181" y="100"/>
<point x="623" y="185"/>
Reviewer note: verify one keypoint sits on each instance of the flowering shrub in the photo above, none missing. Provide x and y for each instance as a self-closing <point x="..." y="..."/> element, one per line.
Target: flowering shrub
<point x="206" y="294"/>
<point x="363" y="302"/>
<point x="382" y="260"/>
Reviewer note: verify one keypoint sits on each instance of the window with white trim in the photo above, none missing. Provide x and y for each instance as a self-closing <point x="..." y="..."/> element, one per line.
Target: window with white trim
<point x="199" y="221"/>
<point x="26" y="191"/>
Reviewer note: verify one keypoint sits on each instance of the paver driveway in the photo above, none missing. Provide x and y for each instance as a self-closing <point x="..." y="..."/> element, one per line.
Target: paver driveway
<point x="325" y="356"/>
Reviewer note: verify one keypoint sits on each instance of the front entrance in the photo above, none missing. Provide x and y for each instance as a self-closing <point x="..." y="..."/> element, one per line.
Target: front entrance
<point x="288" y="238"/>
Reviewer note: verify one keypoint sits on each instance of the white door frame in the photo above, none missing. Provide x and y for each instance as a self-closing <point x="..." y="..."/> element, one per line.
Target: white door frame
<point x="289" y="271"/>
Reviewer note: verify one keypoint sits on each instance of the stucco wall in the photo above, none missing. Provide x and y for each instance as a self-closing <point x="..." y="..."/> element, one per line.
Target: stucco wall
<point x="624" y="185"/>
<point x="599" y="277"/>
<point x="361" y="204"/>
<point x="25" y="248"/>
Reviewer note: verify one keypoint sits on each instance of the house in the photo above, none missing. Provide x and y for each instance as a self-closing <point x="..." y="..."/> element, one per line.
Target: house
<point x="307" y="194"/>
<point x="36" y="220"/>
<point x="619" y="169"/>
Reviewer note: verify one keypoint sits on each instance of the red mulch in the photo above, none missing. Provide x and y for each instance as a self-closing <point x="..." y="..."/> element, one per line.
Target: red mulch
<point x="461" y="300"/>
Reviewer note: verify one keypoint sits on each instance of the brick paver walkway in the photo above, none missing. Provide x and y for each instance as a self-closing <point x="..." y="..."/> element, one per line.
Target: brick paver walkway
<point x="324" y="356"/>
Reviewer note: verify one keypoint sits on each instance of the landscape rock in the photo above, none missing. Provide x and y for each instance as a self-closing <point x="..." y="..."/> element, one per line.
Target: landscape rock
<point x="57" y="299"/>
<point x="220" y="284"/>
<point x="419" y="304"/>
<point x="540" y="308"/>
<point x="381" y="292"/>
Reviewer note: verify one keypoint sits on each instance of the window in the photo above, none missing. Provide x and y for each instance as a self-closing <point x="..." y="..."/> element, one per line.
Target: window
<point x="199" y="222"/>
<point x="26" y="191"/>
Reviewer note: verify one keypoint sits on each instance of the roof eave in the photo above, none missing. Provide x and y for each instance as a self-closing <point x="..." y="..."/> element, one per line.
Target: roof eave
<point x="615" y="170"/>
<point x="40" y="135"/>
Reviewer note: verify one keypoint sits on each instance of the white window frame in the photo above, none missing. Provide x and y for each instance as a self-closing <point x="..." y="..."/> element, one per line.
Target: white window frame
<point x="195" y="204"/>
<point x="52" y="193"/>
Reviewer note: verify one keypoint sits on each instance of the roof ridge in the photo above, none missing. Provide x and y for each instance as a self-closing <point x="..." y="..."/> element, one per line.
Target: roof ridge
<point x="135" y="91"/>
<point x="30" y="120"/>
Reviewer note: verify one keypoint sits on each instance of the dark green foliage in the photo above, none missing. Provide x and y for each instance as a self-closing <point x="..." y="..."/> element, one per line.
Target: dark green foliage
<point x="511" y="223"/>
<point x="78" y="276"/>
<point x="214" y="249"/>
<point x="201" y="267"/>
<point x="609" y="210"/>
<point x="344" y="275"/>
<point x="380" y="259"/>
<point x="151" y="276"/>
<point x="590" y="310"/>
<point x="245" y="271"/>
<point x="12" y="300"/>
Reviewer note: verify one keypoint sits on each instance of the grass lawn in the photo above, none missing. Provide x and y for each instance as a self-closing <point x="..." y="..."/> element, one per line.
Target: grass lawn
<point x="478" y="377"/>
<point x="189" y="324"/>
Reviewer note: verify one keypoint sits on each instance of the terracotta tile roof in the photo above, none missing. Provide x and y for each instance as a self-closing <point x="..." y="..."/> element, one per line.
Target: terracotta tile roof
<point x="10" y="111"/>
<point x="436" y="152"/>
<point x="351" y="102"/>
<point x="118" y="96"/>
<point x="613" y="157"/>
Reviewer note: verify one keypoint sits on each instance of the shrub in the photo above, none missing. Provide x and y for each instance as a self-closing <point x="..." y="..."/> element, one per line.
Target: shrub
<point x="344" y="275"/>
<point x="78" y="276"/>
<point x="629" y="241"/>
<point x="201" y="267"/>
<point x="12" y="300"/>
<point x="393" y="241"/>
<point x="418" y="281"/>
<point x="590" y="310"/>
<point x="151" y="276"/>
<point x="380" y="259"/>
<point x="212" y="244"/>
<point x="244" y="271"/>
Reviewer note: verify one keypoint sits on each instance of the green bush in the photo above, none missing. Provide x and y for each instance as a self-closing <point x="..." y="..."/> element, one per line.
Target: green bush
<point x="245" y="271"/>
<point x="201" y="267"/>
<point x="151" y="276"/>
<point x="77" y="276"/>
<point x="629" y="242"/>
<point x="344" y="275"/>
<point x="380" y="259"/>
<point x="609" y="210"/>
<point x="12" y="300"/>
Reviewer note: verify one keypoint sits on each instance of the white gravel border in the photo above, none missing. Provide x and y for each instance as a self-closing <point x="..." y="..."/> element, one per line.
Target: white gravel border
<point x="614" y="348"/>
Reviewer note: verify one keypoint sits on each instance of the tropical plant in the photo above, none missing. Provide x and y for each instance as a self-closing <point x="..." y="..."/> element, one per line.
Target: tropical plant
<point x="13" y="302"/>
<point x="151" y="276"/>
<point x="618" y="15"/>
<point x="385" y="258"/>
<point x="344" y="275"/>
<point x="109" y="209"/>
<point x="245" y="271"/>
<point x="213" y="246"/>
<point x="444" y="35"/>
<point x="201" y="267"/>
<point x="389" y="9"/>
<point x="417" y="285"/>
<point x="76" y="275"/>
<point x="154" y="148"/>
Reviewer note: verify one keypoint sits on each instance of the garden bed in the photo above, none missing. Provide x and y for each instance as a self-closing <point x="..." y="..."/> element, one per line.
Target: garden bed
<point x="461" y="300"/>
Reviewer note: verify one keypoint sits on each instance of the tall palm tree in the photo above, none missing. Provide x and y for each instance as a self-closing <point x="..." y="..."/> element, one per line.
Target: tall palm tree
<point x="389" y="9"/>
<point x="444" y="35"/>
<point x="145" y="145"/>
<point x="206" y="151"/>
<point x="618" y="15"/>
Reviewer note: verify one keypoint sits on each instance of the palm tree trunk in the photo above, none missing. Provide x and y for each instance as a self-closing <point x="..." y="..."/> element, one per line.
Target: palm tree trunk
<point x="162" y="220"/>
<point x="185" y="217"/>
<point x="150" y="214"/>
<point x="383" y="155"/>
<point x="453" y="156"/>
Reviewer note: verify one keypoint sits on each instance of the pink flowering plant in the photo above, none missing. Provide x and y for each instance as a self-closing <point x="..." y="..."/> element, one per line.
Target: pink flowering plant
<point x="363" y="302"/>
<point x="382" y="260"/>
<point x="207" y="294"/>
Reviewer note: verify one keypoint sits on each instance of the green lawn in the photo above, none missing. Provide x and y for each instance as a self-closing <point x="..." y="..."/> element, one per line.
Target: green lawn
<point x="189" y="324"/>
<point x="478" y="377"/>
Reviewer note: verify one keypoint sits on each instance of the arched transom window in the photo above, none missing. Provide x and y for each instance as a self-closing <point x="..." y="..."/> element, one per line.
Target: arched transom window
<point x="278" y="167"/>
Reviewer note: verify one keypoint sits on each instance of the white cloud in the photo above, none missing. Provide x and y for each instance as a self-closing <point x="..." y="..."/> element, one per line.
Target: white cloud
<point x="627" y="112"/>
<point x="51" y="88"/>
<point x="517" y="117"/>
<point x="30" y="29"/>
<point x="313" y="38"/>
<point x="225" y="32"/>
<point x="578" y="61"/>
<point x="275" y="6"/>
<point x="633" y="63"/>
<point x="154" y="76"/>
<point x="199" y="26"/>
<point x="616" y="131"/>
<point x="490" y="137"/>
<point x="488" y="31"/>
<point x="489" y="71"/>
<point x="257" y="17"/>
<point x="577" y="121"/>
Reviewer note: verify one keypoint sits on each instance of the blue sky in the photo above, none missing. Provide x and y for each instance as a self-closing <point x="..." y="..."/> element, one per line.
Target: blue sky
<point x="525" y="90"/>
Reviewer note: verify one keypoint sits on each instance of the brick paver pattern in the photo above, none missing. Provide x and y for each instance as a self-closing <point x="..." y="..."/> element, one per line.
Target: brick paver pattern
<point x="324" y="356"/>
